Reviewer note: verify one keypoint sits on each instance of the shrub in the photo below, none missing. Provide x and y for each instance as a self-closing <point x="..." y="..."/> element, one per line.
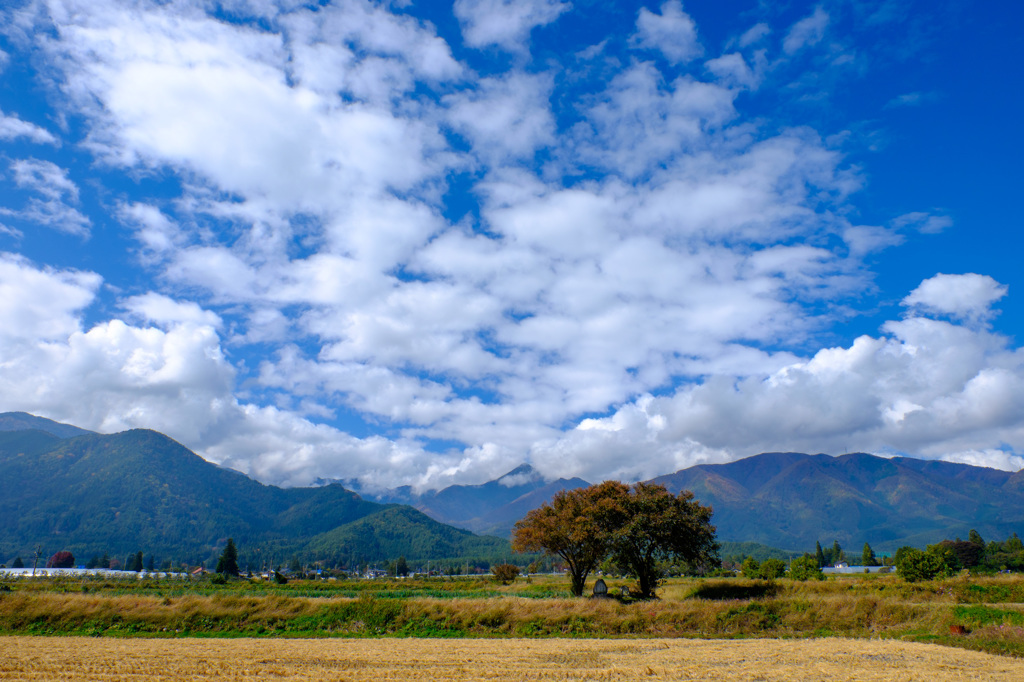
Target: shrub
<point x="505" y="573"/>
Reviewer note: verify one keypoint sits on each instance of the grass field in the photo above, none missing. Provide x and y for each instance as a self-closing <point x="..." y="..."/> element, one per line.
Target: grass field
<point x="407" y="660"/>
<point x="980" y="613"/>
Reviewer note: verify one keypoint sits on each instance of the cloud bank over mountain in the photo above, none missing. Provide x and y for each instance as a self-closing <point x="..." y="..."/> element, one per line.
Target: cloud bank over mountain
<point x="357" y="241"/>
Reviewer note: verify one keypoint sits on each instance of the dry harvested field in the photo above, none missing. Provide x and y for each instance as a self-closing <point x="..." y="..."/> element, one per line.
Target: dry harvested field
<point x="155" y="660"/>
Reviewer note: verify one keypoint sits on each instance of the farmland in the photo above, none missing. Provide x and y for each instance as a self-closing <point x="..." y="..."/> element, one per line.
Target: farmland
<point x="981" y="613"/>
<point x="74" y="658"/>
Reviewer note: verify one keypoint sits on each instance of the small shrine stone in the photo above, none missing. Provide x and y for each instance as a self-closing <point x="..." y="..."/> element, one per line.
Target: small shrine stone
<point x="600" y="589"/>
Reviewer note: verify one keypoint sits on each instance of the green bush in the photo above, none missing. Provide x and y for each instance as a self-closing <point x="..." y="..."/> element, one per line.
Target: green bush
<point x="912" y="565"/>
<point x="805" y="568"/>
<point x="773" y="568"/>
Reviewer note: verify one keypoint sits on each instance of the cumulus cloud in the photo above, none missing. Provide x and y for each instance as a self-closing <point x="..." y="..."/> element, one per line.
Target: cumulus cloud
<point x="162" y="309"/>
<point x="966" y="297"/>
<point x="41" y="304"/>
<point x="673" y="33"/>
<point x="476" y="270"/>
<point x="505" y="23"/>
<point x="926" y="387"/>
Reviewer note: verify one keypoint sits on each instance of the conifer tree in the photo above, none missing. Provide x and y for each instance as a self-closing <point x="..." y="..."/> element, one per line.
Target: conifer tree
<point x="867" y="557"/>
<point x="819" y="555"/>
<point x="228" y="562"/>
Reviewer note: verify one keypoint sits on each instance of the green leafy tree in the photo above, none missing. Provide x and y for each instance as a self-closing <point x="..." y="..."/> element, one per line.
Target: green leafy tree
<point x="401" y="567"/>
<point x="150" y="562"/>
<point x="975" y="537"/>
<point x="913" y="565"/>
<point x="867" y="557"/>
<point x="651" y="526"/>
<point x="773" y="568"/>
<point x="805" y="568"/>
<point x="837" y="552"/>
<point x="750" y="568"/>
<point x="574" y="527"/>
<point x="228" y="562"/>
<point x="819" y="555"/>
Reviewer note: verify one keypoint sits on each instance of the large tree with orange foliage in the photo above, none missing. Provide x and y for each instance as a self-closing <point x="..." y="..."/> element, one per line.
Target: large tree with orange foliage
<point x="639" y="526"/>
<point x="575" y="526"/>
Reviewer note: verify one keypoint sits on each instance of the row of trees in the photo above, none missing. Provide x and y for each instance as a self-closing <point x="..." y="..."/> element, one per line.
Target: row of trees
<point x="950" y="556"/>
<point x="638" y="527"/>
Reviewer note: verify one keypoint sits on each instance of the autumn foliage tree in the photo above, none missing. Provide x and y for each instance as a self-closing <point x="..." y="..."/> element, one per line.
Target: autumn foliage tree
<point x="654" y="526"/>
<point x="639" y="527"/>
<point x="572" y="527"/>
<point x="61" y="560"/>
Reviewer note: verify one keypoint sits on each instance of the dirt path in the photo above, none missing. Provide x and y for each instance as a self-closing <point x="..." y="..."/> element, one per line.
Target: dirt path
<point x="407" y="660"/>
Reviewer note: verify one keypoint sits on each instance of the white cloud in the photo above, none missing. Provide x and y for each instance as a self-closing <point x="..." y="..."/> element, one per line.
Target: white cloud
<point x="40" y="304"/>
<point x="505" y="23"/>
<point x="371" y="231"/>
<point x="12" y="127"/>
<point x="163" y="310"/>
<point x="505" y="117"/>
<point x="926" y="223"/>
<point x="673" y="32"/>
<point x="807" y="32"/>
<point x="57" y="192"/>
<point x="754" y="34"/>
<point x="927" y="388"/>
<point x="733" y="70"/>
<point x="966" y="297"/>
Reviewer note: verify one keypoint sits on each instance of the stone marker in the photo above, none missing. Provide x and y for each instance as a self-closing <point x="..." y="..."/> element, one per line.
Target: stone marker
<point x="600" y="589"/>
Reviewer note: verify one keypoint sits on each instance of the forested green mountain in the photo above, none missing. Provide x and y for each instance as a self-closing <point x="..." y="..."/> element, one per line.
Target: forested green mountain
<point x="22" y="421"/>
<point x="66" y="488"/>
<point x="141" y="491"/>
<point x="791" y="500"/>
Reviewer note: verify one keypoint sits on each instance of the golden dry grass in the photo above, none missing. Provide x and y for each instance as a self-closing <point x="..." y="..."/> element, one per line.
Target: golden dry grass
<point x="75" y="658"/>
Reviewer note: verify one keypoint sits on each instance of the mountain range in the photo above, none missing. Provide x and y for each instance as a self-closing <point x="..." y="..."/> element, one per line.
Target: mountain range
<point x="139" y="490"/>
<point x="785" y="500"/>
<point x="68" y="488"/>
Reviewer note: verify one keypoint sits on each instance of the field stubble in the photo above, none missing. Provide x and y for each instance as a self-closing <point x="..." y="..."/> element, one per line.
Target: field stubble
<point x="158" y="660"/>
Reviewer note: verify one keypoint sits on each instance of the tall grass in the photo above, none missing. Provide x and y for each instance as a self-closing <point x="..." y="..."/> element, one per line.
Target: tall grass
<point x="988" y="609"/>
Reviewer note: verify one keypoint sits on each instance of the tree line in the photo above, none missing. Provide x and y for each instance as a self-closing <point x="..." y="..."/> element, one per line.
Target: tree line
<point x="638" y="527"/>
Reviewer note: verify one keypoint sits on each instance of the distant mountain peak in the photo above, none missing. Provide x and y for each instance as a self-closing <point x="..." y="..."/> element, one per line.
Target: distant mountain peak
<point x="23" y="421"/>
<point x="523" y="474"/>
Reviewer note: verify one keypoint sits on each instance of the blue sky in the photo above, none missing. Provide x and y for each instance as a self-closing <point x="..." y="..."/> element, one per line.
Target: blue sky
<point x="421" y="243"/>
